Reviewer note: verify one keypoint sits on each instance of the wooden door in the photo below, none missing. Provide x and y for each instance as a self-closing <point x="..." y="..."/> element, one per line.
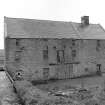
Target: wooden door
<point x="69" y="70"/>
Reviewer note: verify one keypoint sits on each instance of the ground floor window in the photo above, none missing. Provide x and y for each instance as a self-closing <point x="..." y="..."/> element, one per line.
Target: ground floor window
<point x="46" y="73"/>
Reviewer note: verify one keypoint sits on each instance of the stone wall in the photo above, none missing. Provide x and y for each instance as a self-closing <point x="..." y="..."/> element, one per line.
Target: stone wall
<point x="38" y="59"/>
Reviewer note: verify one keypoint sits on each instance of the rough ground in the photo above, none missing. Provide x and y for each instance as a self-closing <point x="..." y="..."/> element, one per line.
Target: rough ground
<point x="7" y="95"/>
<point x="65" y="92"/>
<point x="81" y="91"/>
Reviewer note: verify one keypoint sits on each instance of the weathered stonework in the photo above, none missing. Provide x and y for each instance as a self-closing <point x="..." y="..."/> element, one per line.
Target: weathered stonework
<point x="42" y="50"/>
<point x="30" y="59"/>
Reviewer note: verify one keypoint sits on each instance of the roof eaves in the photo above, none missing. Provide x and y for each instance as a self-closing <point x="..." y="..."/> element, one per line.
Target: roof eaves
<point x="33" y="36"/>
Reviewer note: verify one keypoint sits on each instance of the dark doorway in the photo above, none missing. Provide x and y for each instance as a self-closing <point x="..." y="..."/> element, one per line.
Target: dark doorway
<point x="98" y="68"/>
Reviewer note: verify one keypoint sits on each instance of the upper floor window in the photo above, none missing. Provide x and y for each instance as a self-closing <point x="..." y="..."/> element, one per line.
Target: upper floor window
<point x="60" y="56"/>
<point x="73" y="54"/>
<point x="45" y="53"/>
<point x="73" y="42"/>
<point x="17" y="42"/>
<point x="98" y="45"/>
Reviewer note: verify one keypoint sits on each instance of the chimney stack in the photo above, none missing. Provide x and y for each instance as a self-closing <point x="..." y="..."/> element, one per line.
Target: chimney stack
<point x="85" y="20"/>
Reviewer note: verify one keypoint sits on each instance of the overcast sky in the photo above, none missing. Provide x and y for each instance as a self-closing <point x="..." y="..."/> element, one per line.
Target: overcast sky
<point x="60" y="10"/>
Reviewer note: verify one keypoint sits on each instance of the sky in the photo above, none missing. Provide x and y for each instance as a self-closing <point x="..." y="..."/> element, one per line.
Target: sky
<point x="59" y="10"/>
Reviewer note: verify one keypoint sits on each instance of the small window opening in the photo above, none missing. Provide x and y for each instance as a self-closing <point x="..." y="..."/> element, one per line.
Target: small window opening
<point x="17" y="42"/>
<point x="45" y="39"/>
<point x="17" y="56"/>
<point x="54" y="47"/>
<point x="86" y="70"/>
<point x="19" y="73"/>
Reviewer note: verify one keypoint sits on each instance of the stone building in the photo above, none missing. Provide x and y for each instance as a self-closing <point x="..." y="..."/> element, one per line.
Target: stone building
<point x="44" y="49"/>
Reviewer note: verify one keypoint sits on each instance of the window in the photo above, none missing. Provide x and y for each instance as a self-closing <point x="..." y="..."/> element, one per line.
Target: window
<point x="73" y="54"/>
<point x="98" y="68"/>
<point x="98" y="45"/>
<point x="46" y="73"/>
<point x="73" y="42"/>
<point x="60" y="56"/>
<point x="54" y="47"/>
<point x="45" y="53"/>
<point x="86" y="70"/>
<point x="17" y="42"/>
<point x="45" y="39"/>
<point x="17" y="55"/>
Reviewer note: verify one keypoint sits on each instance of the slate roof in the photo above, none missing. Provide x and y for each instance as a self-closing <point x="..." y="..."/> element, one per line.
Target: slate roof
<point x="32" y="28"/>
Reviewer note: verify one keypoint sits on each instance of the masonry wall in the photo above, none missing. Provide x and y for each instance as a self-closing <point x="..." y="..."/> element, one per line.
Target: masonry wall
<point x="37" y="59"/>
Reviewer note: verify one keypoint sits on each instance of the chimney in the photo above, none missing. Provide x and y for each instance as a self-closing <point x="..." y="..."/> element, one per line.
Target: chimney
<point x="85" y="20"/>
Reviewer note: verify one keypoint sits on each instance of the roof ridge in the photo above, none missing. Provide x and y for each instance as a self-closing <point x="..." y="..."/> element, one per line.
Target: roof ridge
<point x="37" y="19"/>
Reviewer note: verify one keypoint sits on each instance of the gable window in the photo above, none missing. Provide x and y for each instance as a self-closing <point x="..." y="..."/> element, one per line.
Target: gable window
<point x="60" y="56"/>
<point x="45" y="53"/>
